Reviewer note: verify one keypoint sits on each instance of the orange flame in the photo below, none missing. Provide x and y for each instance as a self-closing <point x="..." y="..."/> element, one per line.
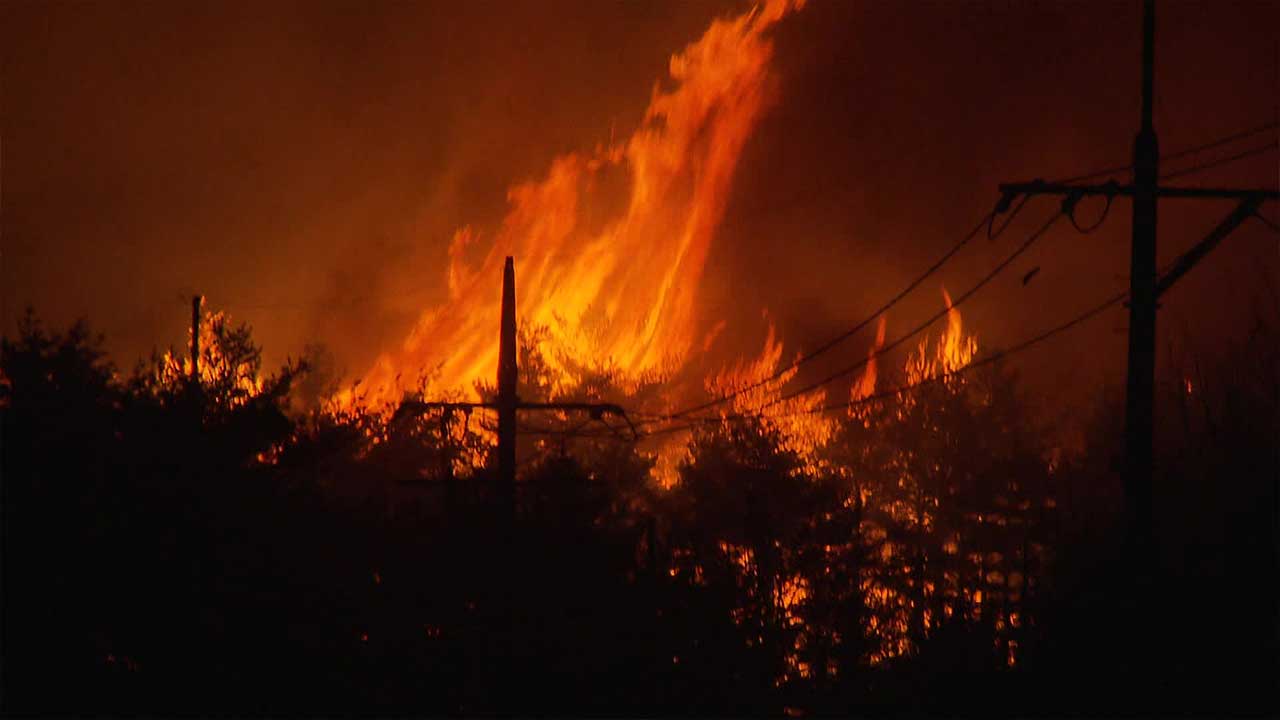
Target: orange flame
<point x="866" y="385"/>
<point x="953" y="352"/>
<point x="219" y="363"/>
<point x="610" y="245"/>
<point x="800" y="426"/>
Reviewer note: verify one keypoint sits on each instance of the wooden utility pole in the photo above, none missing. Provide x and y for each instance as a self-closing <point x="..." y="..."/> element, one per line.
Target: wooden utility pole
<point x="1140" y="385"/>
<point x="1145" y="287"/>
<point x="195" y="338"/>
<point x="507" y="402"/>
<point x="508" y="377"/>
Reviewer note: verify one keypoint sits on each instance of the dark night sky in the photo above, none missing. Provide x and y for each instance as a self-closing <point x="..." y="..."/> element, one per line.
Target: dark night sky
<point x="304" y="165"/>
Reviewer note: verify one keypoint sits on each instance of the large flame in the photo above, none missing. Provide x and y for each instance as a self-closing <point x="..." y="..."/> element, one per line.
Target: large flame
<point x="610" y="245"/>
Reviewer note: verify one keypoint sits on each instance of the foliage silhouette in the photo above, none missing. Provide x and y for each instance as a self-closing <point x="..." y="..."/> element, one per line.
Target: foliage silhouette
<point x="172" y="546"/>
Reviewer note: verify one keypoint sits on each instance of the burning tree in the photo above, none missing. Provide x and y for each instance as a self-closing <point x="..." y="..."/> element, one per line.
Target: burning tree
<point x="952" y="482"/>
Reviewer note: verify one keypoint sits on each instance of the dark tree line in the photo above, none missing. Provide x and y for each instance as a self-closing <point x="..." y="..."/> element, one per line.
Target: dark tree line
<point x="172" y="546"/>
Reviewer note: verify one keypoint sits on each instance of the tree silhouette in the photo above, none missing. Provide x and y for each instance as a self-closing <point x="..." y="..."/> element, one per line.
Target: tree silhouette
<point x="172" y="546"/>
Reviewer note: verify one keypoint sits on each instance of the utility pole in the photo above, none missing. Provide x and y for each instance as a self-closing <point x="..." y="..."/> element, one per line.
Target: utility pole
<point x="507" y="402"/>
<point x="195" y="338"/>
<point x="1140" y="385"/>
<point x="194" y="390"/>
<point x="1145" y="287"/>
<point x="508" y="377"/>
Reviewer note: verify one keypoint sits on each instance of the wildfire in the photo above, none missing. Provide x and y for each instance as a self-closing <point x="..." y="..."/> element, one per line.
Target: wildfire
<point x="866" y="385"/>
<point x="611" y="244"/>
<point x="228" y="361"/>
<point x="799" y="427"/>
<point x="952" y="352"/>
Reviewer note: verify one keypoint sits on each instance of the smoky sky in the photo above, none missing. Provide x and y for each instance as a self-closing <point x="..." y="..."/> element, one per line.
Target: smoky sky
<point x="304" y="165"/>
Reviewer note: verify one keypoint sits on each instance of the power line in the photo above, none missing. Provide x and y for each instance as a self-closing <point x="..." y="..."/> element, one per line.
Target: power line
<point x="827" y="346"/>
<point x="1265" y="221"/>
<point x="1105" y="172"/>
<point x="895" y="391"/>
<point x="849" y="369"/>
<point x="884" y="394"/>
<point x="866" y="400"/>
<point x="988" y="220"/>
<point x="1270" y="125"/>
<point x="892" y="392"/>
<point x="1208" y="165"/>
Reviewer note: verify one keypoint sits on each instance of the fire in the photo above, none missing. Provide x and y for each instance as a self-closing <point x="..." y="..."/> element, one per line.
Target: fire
<point x="800" y="427"/>
<point x="866" y="385"/>
<point x="953" y="351"/>
<point x="228" y="361"/>
<point x="610" y="245"/>
<point x="754" y="386"/>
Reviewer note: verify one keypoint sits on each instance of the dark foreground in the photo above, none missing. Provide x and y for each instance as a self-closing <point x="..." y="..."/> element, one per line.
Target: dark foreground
<point x="174" y="549"/>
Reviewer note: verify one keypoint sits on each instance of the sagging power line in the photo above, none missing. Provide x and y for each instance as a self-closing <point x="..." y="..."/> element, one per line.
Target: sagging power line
<point x="1169" y="273"/>
<point x="1211" y="145"/>
<point x="1002" y="207"/>
<point x="849" y="369"/>
<point x="899" y="390"/>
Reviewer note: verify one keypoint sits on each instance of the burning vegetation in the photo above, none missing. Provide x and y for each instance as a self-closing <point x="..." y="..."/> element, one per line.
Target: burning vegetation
<point x="798" y="560"/>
